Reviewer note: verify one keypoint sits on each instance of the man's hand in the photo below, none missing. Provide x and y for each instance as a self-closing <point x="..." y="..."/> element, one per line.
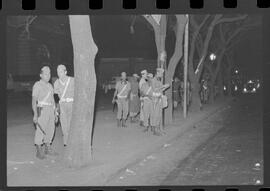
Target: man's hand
<point x="35" y="119"/>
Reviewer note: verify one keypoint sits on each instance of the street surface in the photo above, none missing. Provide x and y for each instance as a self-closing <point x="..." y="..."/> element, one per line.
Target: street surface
<point x="222" y="149"/>
<point x="229" y="152"/>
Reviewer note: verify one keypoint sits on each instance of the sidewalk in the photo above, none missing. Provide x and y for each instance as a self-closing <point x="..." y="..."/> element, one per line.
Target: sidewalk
<point x="114" y="149"/>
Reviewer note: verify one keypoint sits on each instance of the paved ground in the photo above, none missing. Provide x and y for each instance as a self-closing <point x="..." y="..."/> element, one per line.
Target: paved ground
<point x="229" y="151"/>
<point x="115" y="149"/>
<point x="234" y="156"/>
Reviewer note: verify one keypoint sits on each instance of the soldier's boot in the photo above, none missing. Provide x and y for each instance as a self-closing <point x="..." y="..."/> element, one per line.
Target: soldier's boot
<point x="49" y="151"/>
<point x="118" y="123"/>
<point x="40" y="153"/>
<point x="146" y="129"/>
<point x="156" y="132"/>
<point x="124" y="123"/>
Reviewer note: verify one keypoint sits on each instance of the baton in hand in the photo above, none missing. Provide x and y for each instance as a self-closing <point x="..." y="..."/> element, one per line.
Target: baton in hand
<point x="39" y="126"/>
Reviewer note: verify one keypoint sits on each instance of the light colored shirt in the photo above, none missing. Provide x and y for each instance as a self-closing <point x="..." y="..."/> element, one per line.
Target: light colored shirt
<point x="147" y="90"/>
<point x="142" y="81"/>
<point x="41" y="90"/>
<point x="119" y="88"/>
<point x="157" y="87"/>
<point x="59" y="88"/>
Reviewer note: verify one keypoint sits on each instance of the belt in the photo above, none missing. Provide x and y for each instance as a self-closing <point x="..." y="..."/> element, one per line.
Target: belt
<point x="157" y="95"/>
<point x="121" y="96"/>
<point x="40" y="104"/>
<point x="66" y="100"/>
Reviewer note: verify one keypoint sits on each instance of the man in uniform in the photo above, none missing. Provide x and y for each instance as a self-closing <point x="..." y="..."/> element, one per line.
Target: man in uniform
<point x="43" y="106"/>
<point x="134" y="102"/>
<point x="147" y="94"/>
<point x="122" y="93"/>
<point x="142" y="81"/>
<point x="64" y="88"/>
<point x="158" y="89"/>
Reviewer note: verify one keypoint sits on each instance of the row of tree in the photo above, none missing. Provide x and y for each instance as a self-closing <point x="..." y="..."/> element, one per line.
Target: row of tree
<point x="217" y="33"/>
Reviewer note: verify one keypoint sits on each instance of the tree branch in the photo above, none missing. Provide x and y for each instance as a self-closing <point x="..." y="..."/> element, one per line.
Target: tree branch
<point x="151" y="20"/>
<point x="206" y="43"/>
<point x="232" y="19"/>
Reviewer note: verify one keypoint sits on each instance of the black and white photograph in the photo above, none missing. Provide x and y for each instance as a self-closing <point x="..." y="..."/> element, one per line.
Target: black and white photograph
<point x="134" y="100"/>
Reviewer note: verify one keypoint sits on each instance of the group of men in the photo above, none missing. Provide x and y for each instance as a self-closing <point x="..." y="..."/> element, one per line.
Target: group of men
<point x="46" y="111"/>
<point x="144" y="98"/>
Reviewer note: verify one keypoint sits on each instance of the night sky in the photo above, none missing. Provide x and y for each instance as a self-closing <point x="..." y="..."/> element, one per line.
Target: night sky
<point x="113" y="38"/>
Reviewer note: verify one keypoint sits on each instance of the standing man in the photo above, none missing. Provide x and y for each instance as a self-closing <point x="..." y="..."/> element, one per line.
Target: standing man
<point x="147" y="94"/>
<point x="64" y="88"/>
<point x="158" y="89"/>
<point x="43" y="106"/>
<point x="176" y="92"/>
<point x="121" y="96"/>
<point x="142" y="81"/>
<point x="134" y="102"/>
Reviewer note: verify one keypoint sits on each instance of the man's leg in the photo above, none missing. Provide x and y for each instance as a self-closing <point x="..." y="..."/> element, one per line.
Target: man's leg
<point x="64" y="122"/>
<point x="146" y="112"/>
<point x="156" y="118"/>
<point x="119" y="112"/>
<point x="39" y="135"/>
<point x="69" y="116"/>
<point x="141" y="114"/>
<point x="125" y="112"/>
<point x="50" y="129"/>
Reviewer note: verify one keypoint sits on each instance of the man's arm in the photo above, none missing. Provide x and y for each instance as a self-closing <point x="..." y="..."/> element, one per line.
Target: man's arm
<point x="115" y="93"/>
<point x="129" y="90"/>
<point x="34" y="108"/>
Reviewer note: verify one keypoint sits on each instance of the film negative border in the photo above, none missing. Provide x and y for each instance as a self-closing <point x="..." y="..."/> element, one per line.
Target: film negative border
<point x="131" y="6"/>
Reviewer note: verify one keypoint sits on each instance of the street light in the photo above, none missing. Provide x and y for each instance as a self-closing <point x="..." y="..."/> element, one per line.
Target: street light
<point x="212" y="57"/>
<point x="236" y="71"/>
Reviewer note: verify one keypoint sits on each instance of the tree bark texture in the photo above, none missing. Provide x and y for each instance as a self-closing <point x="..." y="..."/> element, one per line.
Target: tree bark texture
<point x="174" y="60"/>
<point x="78" y="151"/>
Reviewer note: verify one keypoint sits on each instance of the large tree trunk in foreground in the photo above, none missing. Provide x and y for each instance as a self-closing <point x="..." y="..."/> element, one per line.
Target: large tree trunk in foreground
<point x="178" y="53"/>
<point x="78" y="152"/>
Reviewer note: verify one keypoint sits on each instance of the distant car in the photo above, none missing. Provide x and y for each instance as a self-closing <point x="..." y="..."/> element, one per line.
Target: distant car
<point x="250" y="87"/>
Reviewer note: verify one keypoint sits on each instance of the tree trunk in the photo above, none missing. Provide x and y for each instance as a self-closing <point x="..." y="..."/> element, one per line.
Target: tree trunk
<point x="229" y="82"/>
<point x="78" y="152"/>
<point x="220" y="84"/>
<point x="195" y="98"/>
<point x="178" y="53"/>
<point x="229" y="73"/>
<point x="212" y="91"/>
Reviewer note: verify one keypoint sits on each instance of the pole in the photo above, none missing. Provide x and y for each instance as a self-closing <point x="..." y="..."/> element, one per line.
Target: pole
<point x="163" y="56"/>
<point x="185" y="67"/>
